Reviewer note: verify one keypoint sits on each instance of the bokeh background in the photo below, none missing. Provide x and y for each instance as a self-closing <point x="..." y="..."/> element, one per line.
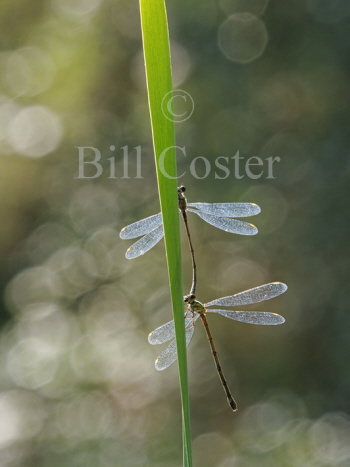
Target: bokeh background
<point x="77" y="381"/>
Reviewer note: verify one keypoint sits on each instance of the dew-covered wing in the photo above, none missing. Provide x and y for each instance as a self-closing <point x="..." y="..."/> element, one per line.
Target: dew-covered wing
<point x="227" y="209"/>
<point x="258" y="294"/>
<point x="145" y="243"/>
<point x="141" y="227"/>
<point x="252" y="317"/>
<point x="227" y="224"/>
<point x="166" y="332"/>
<point x="169" y="354"/>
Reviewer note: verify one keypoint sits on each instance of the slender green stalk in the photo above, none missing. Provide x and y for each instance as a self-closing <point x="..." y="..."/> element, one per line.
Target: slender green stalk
<point x="159" y="83"/>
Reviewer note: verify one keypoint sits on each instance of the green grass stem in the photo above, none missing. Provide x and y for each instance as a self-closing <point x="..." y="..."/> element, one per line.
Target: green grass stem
<point x="159" y="84"/>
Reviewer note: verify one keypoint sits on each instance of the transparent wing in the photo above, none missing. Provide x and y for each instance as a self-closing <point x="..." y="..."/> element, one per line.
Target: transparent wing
<point x="258" y="294"/>
<point x="229" y="225"/>
<point x="141" y="227"/>
<point x="252" y="317"/>
<point x="169" y="354"/>
<point x="227" y="209"/>
<point x="167" y="331"/>
<point x="145" y="243"/>
<point x="162" y="334"/>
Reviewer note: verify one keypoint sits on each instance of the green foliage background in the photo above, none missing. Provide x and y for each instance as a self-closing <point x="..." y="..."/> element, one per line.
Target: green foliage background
<point x="77" y="381"/>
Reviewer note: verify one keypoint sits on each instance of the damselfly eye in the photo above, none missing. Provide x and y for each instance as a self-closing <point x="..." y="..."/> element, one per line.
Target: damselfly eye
<point x="182" y="188"/>
<point x="189" y="298"/>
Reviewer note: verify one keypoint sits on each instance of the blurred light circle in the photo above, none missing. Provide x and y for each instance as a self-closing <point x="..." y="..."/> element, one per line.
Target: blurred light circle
<point x="35" y="131"/>
<point x="76" y="8"/>
<point x="31" y="285"/>
<point x="210" y="448"/>
<point x="46" y="322"/>
<point x="29" y="71"/>
<point x="242" y="38"/>
<point x="46" y="240"/>
<point x="181" y="63"/>
<point x="99" y="357"/>
<point x="93" y="206"/>
<point x="22" y="417"/>
<point x="329" y="437"/>
<point x="296" y="447"/>
<point x="87" y="362"/>
<point x="32" y="363"/>
<point x="262" y="426"/>
<point x="230" y="461"/>
<point x="8" y="110"/>
<point x="85" y="416"/>
<point x="255" y="7"/>
<point x="74" y="271"/>
<point x="103" y="247"/>
<point x="279" y="103"/>
<point x="329" y="11"/>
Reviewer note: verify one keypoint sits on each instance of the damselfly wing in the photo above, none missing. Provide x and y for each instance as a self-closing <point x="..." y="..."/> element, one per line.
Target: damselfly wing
<point x="220" y="215"/>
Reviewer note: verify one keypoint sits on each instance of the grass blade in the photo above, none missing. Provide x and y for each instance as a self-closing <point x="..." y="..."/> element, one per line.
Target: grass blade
<point x="159" y="84"/>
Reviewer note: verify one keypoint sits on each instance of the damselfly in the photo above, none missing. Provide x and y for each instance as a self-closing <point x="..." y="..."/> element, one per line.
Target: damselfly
<point x="196" y="309"/>
<point x="217" y="214"/>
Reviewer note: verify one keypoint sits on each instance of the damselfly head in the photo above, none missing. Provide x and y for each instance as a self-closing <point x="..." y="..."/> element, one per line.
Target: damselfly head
<point x="181" y="189"/>
<point x="189" y="298"/>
